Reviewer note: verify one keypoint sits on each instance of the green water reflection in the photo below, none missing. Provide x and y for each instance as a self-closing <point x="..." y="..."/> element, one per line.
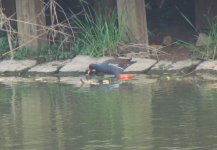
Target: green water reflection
<point x="162" y="115"/>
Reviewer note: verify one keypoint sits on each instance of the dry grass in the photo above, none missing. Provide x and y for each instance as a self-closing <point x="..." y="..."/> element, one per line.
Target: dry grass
<point x="55" y="33"/>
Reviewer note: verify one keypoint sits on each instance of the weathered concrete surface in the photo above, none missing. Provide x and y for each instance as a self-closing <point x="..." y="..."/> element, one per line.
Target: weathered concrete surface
<point x="207" y="67"/>
<point x="15" y="66"/>
<point x="100" y="60"/>
<point x="177" y="68"/>
<point x="79" y="64"/>
<point x="141" y="65"/>
<point x="48" y="68"/>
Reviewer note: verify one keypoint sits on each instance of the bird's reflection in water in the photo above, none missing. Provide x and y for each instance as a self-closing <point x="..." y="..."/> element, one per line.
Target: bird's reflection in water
<point x="113" y="86"/>
<point x="103" y="82"/>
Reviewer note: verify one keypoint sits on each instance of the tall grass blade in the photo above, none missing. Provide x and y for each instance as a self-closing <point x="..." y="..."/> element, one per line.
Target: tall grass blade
<point x="189" y="22"/>
<point x="98" y="36"/>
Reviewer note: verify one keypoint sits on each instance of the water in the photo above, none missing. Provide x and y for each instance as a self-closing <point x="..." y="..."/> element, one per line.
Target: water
<point x="166" y="115"/>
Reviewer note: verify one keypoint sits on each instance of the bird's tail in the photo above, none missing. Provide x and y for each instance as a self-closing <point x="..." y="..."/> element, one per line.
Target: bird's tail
<point x="128" y="63"/>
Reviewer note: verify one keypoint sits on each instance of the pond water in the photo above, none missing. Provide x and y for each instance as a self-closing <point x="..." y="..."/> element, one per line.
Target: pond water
<point x="167" y="115"/>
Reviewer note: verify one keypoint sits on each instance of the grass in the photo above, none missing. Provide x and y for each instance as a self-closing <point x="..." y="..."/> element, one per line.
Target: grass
<point x="51" y="52"/>
<point x="55" y="52"/>
<point x="97" y="36"/>
<point x="21" y="53"/>
<point x="3" y="45"/>
<point x="58" y="35"/>
<point x="209" y="50"/>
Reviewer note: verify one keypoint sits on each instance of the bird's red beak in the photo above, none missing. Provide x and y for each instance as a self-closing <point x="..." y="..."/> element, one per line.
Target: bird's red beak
<point x="88" y="71"/>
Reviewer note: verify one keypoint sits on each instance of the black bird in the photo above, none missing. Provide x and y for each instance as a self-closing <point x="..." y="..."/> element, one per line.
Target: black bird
<point x="114" y="66"/>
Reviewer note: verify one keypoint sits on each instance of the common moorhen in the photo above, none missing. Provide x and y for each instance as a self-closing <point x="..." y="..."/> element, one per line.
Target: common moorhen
<point x="114" y="66"/>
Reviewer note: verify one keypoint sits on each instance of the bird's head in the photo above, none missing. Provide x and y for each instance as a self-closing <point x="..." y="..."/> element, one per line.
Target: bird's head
<point x="90" y="69"/>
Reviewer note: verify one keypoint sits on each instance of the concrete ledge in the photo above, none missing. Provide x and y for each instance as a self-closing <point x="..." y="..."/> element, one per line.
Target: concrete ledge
<point x="141" y="65"/>
<point x="176" y="68"/>
<point x="48" y="68"/>
<point x="79" y="64"/>
<point x="15" y="66"/>
<point x="207" y="67"/>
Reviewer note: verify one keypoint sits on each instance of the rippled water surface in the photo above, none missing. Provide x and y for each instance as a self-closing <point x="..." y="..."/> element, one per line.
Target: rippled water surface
<point x="166" y="115"/>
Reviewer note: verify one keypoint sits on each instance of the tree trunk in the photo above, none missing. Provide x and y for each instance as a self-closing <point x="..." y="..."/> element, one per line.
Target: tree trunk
<point x="31" y="19"/>
<point x="132" y="20"/>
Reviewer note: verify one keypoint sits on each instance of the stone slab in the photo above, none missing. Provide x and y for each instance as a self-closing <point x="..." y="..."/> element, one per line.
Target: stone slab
<point x="48" y="68"/>
<point x="16" y="65"/>
<point x="101" y="60"/>
<point x="179" y="67"/>
<point x="141" y="65"/>
<point x="207" y="67"/>
<point x="80" y="63"/>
